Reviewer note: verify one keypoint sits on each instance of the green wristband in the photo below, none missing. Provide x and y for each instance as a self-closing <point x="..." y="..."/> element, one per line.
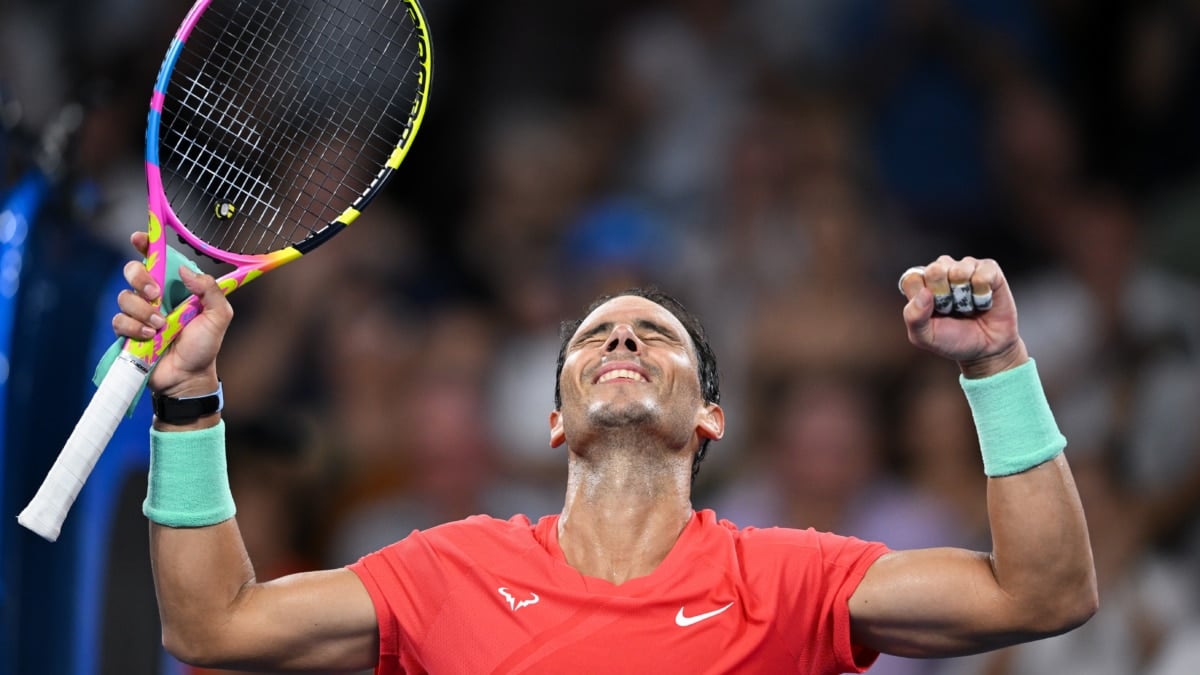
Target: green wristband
<point x="189" y="485"/>
<point x="1016" y="429"/>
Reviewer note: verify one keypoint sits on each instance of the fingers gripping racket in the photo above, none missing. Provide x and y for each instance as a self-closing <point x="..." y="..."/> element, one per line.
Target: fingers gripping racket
<point x="272" y="125"/>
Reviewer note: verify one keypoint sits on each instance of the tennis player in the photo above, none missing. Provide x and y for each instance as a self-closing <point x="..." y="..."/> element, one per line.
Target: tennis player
<point x="628" y="578"/>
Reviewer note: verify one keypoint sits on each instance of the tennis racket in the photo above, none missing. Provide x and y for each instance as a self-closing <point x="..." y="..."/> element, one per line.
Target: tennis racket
<point x="272" y="125"/>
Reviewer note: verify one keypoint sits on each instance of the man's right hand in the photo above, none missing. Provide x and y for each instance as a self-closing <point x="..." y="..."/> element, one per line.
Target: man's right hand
<point x="189" y="367"/>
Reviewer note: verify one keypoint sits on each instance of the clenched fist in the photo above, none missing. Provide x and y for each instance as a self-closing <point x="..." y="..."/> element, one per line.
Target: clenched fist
<point x="963" y="310"/>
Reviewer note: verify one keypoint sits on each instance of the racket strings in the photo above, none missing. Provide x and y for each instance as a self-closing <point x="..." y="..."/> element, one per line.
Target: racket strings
<point x="287" y="76"/>
<point x="317" y="177"/>
<point x="259" y="56"/>
<point x="281" y="114"/>
<point x="229" y="167"/>
<point x="211" y="167"/>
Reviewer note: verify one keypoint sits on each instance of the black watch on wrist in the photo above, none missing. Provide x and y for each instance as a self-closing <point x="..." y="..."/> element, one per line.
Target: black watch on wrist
<point x="185" y="410"/>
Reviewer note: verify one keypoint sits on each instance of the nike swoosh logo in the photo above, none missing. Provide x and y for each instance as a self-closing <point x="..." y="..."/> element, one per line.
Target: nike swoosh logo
<point x="681" y="620"/>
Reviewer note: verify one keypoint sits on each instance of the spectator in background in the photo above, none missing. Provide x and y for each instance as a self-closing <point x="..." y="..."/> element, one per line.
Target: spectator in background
<point x="925" y="74"/>
<point x="1125" y="362"/>
<point x="539" y="166"/>
<point x="852" y="335"/>
<point x="353" y="301"/>
<point x="826" y="434"/>
<point x="1179" y="653"/>
<point x="678" y="80"/>
<point x="934" y="427"/>
<point x="433" y="458"/>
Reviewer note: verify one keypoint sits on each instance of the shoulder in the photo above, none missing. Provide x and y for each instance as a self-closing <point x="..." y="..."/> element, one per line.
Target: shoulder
<point x="471" y="537"/>
<point x="483" y="525"/>
<point x="768" y="537"/>
<point x="785" y="547"/>
<point x="476" y="535"/>
<point x="428" y="558"/>
<point x="803" y="577"/>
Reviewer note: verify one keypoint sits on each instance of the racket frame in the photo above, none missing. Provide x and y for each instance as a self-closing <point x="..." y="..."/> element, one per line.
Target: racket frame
<point x="48" y="509"/>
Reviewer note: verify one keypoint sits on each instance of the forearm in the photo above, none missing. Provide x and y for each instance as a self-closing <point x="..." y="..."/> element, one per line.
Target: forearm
<point x="199" y="561"/>
<point x="215" y="614"/>
<point x="199" y="573"/>
<point x="1038" y="580"/>
<point x="1041" y="555"/>
<point x="213" y="611"/>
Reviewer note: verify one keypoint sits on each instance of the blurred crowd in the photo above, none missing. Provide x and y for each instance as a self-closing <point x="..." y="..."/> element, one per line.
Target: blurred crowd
<point x="775" y="164"/>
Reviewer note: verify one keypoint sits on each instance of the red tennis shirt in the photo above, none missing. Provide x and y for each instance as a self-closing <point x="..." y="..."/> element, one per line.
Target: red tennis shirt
<point x="484" y="595"/>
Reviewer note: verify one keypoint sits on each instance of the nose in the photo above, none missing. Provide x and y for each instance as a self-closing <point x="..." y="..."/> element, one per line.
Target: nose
<point x="623" y="336"/>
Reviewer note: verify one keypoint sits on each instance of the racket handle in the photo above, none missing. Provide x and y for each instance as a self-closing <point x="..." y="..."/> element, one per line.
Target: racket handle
<point x="48" y="509"/>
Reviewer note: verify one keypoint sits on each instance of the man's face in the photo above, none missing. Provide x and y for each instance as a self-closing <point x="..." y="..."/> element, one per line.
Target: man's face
<point x="631" y="365"/>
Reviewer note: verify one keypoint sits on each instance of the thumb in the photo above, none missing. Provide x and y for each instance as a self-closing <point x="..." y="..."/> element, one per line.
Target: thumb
<point x="917" y="315"/>
<point x="215" y="305"/>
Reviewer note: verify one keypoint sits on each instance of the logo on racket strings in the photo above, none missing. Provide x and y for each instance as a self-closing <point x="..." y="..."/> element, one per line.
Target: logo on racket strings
<point x="224" y="210"/>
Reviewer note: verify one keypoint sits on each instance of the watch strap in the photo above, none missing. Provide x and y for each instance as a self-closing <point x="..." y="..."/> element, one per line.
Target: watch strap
<point x="185" y="410"/>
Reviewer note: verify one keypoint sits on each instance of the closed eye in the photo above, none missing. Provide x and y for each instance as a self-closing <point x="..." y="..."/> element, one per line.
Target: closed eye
<point x="594" y="335"/>
<point x="646" y="331"/>
<point x="649" y="330"/>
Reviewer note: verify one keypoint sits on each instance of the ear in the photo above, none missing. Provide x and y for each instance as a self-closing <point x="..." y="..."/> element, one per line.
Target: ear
<point x="711" y="422"/>
<point x="557" y="435"/>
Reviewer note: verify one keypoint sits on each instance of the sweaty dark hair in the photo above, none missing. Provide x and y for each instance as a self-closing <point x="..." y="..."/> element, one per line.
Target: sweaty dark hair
<point x="706" y="360"/>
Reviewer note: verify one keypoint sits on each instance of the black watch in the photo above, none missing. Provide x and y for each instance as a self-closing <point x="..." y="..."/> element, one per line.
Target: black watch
<point x="185" y="410"/>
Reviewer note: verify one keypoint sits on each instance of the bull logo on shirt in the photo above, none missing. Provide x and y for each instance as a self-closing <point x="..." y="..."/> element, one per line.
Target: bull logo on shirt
<point x="513" y="604"/>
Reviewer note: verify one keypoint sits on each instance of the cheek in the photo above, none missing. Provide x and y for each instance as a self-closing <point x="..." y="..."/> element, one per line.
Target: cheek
<point x="568" y="379"/>
<point x="685" y="372"/>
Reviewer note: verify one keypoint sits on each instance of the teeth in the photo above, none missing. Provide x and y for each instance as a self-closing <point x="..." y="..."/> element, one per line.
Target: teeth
<point x="627" y="374"/>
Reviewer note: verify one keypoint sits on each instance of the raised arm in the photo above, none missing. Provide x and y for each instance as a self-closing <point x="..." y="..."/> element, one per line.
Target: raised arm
<point x="214" y="612"/>
<point x="1039" y="579"/>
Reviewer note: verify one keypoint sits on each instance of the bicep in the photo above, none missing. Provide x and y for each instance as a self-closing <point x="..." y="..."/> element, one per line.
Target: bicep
<point x="935" y="602"/>
<point x="307" y="621"/>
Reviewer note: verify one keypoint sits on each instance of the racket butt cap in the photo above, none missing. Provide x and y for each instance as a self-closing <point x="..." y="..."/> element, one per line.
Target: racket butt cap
<point x="44" y="529"/>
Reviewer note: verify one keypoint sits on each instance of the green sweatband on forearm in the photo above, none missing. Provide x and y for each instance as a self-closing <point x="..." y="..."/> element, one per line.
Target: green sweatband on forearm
<point x="189" y="485"/>
<point x="1016" y="429"/>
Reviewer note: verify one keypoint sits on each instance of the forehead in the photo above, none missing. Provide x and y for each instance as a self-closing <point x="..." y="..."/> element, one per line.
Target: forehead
<point x="630" y="309"/>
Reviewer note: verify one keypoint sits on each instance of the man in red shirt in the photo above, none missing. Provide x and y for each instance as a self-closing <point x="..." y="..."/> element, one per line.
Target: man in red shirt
<point x="628" y="578"/>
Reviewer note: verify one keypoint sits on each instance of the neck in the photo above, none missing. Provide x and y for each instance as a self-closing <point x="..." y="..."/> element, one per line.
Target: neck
<point x="623" y="513"/>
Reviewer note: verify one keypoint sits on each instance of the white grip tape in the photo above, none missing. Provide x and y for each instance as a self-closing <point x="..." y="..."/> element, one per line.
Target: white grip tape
<point x="48" y="509"/>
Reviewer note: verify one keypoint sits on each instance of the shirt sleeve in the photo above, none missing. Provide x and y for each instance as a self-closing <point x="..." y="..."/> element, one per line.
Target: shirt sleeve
<point x="407" y="585"/>
<point x="810" y="577"/>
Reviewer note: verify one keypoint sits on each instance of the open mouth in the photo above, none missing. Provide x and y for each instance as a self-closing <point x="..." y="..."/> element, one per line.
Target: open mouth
<point x="621" y="374"/>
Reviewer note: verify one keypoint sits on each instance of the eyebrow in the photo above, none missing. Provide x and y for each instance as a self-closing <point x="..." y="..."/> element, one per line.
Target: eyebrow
<point x="640" y="324"/>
